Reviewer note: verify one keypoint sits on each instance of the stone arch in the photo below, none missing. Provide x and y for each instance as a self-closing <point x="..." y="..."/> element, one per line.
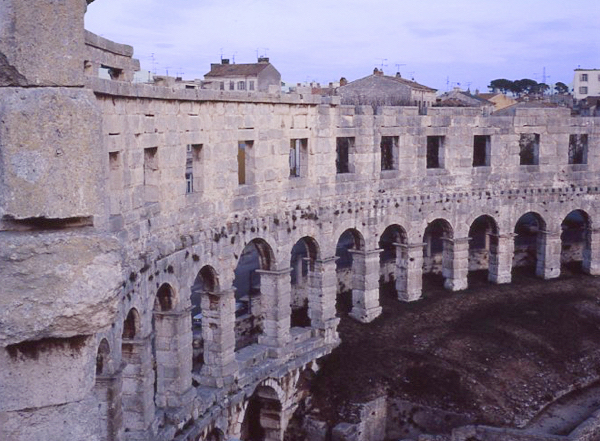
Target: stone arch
<point x="256" y="256"/>
<point x="392" y="259"/>
<point x="263" y="415"/>
<point x="215" y="435"/>
<point x="483" y="243"/>
<point x="165" y="298"/>
<point x="575" y="241"/>
<point x="304" y="254"/>
<point x="437" y="252"/>
<point x="103" y="358"/>
<point x="350" y="239"/>
<point x="530" y="243"/>
<point x="206" y="281"/>
<point x="131" y="325"/>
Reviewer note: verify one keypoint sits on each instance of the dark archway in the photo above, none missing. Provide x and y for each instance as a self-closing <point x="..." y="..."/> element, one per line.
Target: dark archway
<point x="435" y="253"/>
<point x="483" y="245"/>
<point x="262" y="420"/>
<point x="304" y="254"/>
<point x="206" y="282"/>
<point x="350" y="240"/>
<point x="102" y="357"/>
<point x="131" y="325"/>
<point x="575" y="241"/>
<point x="256" y="255"/>
<point x="389" y="271"/>
<point x="529" y="242"/>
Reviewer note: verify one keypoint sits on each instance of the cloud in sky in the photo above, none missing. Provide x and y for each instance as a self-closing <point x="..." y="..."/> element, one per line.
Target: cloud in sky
<point x="439" y="42"/>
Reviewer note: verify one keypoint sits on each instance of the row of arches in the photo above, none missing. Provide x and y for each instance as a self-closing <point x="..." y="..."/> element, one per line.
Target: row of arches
<point x="266" y="304"/>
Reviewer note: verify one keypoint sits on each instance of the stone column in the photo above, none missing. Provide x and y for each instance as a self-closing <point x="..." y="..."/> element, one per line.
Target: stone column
<point x="107" y="391"/>
<point x="275" y="287"/>
<point x="591" y="253"/>
<point x="548" y="254"/>
<point x="218" y="332"/>
<point x="501" y="251"/>
<point x="455" y="263"/>
<point x="409" y="271"/>
<point x="138" y="388"/>
<point x="173" y="352"/>
<point x="365" y="285"/>
<point x="322" y="288"/>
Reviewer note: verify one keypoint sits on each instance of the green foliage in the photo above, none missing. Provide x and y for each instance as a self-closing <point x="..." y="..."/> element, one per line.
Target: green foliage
<point x="561" y="88"/>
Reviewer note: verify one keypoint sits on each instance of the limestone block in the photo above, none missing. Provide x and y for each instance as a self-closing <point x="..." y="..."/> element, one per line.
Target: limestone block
<point x="57" y="284"/>
<point x="46" y="372"/>
<point x="42" y="42"/>
<point x="50" y="153"/>
<point x="73" y="421"/>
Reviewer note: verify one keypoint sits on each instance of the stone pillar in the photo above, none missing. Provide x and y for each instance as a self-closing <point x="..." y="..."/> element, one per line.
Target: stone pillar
<point x="365" y="285"/>
<point x="138" y="388"/>
<point x="173" y="352"/>
<point x="322" y="288"/>
<point x="409" y="271"/>
<point x="501" y="251"/>
<point x="218" y="333"/>
<point x="275" y="287"/>
<point x="591" y="253"/>
<point x="548" y="254"/>
<point x="107" y="391"/>
<point x="455" y="263"/>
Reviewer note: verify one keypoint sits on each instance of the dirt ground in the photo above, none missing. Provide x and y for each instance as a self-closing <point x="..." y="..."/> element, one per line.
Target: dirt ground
<point x="499" y="353"/>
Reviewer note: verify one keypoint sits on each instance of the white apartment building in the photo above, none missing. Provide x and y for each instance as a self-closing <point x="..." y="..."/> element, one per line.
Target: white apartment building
<point x="586" y="83"/>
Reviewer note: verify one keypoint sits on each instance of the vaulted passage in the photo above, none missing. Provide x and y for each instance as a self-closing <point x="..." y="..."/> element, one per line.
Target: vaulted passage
<point x="263" y="417"/>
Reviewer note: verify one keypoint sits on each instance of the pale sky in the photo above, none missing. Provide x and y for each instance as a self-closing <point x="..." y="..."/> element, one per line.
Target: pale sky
<point x="438" y="42"/>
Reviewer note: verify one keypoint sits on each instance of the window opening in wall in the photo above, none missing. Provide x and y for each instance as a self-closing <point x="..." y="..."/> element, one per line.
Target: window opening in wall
<point x="231" y="85"/>
<point x="583" y="90"/>
<point x="529" y="149"/>
<point x="151" y="174"/>
<point x="435" y="152"/>
<point x="251" y="85"/>
<point x="578" y="146"/>
<point x="115" y="177"/>
<point x="584" y="77"/>
<point x="243" y="147"/>
<point x="481" y="150"/>
<point x="241" y="85"/>
<point x="389" y="152"/>
<point x="344" y="146"/>
<point x="222" y="85"/>
<point x="192" y="163"/>
<point x="298" y="157"/>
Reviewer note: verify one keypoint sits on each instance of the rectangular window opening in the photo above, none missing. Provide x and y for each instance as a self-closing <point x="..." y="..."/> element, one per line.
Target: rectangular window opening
<point x="192" y="167"/>
<point x="298" y="157"/>
<point x="578" y="146"/>
<point x="481" y="150"/>
<point x="243" y="161"/>
<point x="251" y="85"/>
<point x="529" y="149"/>
<point x="435" y="152"/>
<point x="151" y="174"/>
<point x="584" y="77"/>
<point x="344" y="148"/>
<point x="389" y="152"/>
<point x="231" y="85"/>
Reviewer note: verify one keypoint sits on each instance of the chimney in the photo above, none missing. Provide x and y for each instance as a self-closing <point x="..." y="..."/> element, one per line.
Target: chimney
<point x="398" y="75"/>
<point x="263" y="59"/>
<point x="224" y="60"/>
<point x="343" y="81"/>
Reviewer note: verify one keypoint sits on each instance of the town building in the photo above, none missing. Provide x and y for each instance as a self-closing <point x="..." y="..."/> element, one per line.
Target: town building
<point x="499" y="100"/>
<point x="252" y="77"/>
<point x="586" y="82"/>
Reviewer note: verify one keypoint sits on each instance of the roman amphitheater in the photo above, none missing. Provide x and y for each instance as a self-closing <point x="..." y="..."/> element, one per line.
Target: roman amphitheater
<point x="167" y="275"/>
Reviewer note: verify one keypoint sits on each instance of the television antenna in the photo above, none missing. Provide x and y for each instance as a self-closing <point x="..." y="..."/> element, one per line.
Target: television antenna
<point x="383" y="60"/>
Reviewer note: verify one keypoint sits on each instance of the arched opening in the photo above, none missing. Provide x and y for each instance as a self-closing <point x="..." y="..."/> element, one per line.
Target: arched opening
<point x="206" y="282"/>
<point x="575" y="243"/>
<point x="131" y="325"/>
<point x="483" y="247"/>
<point x="529" y="244"/>
<point x="257" y="255"/>
<point x="350" y="240"/>
<point x="436" y="253"/>
<point x="302" y="261"/>
<point x="215" y="435"/>
<point x="163" y="332"/>
<point x="389" y="270"/>
<point x="262" y="420"/>
<point x="102" y="358"/>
